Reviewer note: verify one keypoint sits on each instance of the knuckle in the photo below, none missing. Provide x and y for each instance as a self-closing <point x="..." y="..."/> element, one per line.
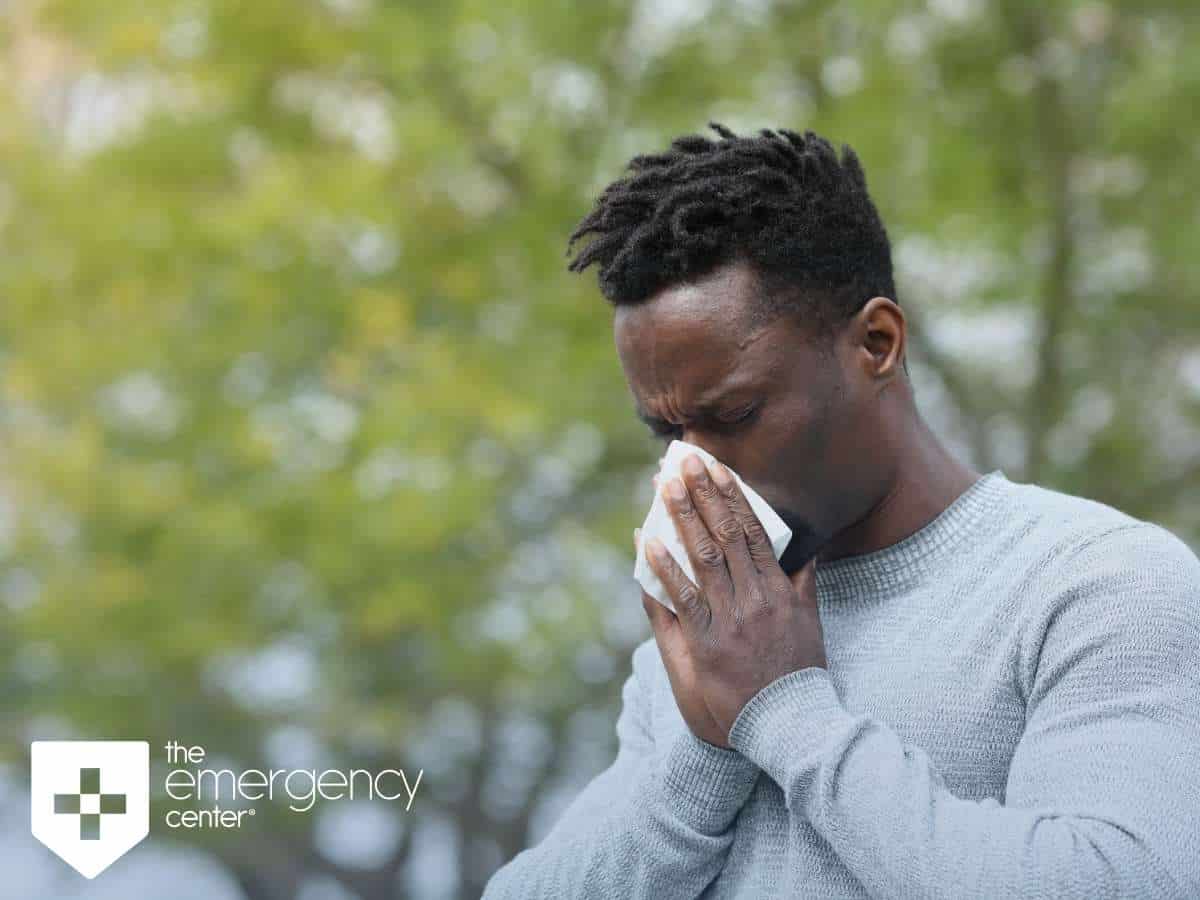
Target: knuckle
<point x="728" y="530"/>
<point x="756" y="599"/>
<point x="780" y="585"/>
<point x="705" y="489"/>
<point x="772" y="591"/>
<point x="755" y="533"/>
<point x="710" y="555"/>
<point x="729" y="494"/>
<point x="689" y="596"/>
<point x="762" y="553"/>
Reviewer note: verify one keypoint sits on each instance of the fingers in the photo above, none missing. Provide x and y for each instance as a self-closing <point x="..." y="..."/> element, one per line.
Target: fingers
<point x="747" y="550"/>
<point x="758" y="545"/>
<point x="662" y="620"/>
<point x="708" y="562"/>
<point x="712" y="534"/>
<point x="691" y="609"/>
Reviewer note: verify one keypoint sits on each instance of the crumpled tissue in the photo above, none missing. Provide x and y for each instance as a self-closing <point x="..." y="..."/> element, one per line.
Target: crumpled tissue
<point x="660" y="524"/>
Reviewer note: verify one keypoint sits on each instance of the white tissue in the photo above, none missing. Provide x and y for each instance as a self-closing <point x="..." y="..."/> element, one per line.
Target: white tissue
<point x="660" y="524"/>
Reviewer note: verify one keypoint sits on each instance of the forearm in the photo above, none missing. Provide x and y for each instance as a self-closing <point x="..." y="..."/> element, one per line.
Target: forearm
<point x="882" y="807"/>
<point x="666" y="836"/>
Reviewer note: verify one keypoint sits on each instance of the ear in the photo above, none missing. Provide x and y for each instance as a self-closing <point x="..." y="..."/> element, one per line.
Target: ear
<point x="881" y="333"/>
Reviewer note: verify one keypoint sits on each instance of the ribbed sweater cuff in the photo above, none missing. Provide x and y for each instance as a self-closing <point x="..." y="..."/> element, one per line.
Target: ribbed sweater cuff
<point x="705" y="785"/>
<point x="784" y="726"/>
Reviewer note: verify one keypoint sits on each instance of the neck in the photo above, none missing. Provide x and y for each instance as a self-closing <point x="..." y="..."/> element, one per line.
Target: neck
<point x="926" y="479"/>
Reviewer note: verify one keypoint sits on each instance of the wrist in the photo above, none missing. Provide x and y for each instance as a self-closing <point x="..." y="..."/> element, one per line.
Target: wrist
<point x="703" y="784"/>
<point x="784" y="726"/>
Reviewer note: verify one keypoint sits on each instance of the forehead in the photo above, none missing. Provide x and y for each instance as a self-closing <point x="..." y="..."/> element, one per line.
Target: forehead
<point x="696" y="336"/>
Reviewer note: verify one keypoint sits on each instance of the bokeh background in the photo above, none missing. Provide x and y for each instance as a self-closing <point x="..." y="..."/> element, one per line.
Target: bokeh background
<point x="313" y="453"/>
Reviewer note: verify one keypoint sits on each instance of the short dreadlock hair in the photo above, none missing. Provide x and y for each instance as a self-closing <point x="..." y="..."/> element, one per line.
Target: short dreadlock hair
<point x="781" y="200"/>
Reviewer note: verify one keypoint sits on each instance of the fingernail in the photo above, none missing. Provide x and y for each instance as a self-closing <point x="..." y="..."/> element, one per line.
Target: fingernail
<point x="694" y="464"/>
<point x="657" y="549"/>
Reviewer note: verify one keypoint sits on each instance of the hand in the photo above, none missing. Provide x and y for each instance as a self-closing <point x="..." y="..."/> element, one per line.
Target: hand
<point x="746" y="623"/>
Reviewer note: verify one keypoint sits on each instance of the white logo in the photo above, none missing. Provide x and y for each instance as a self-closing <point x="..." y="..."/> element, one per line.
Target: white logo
<point x="90" y="800"/>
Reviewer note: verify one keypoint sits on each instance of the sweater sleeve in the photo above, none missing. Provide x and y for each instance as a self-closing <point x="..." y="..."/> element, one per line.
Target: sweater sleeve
<point x="656" y="823"/>
<point x="1102" y="797"/>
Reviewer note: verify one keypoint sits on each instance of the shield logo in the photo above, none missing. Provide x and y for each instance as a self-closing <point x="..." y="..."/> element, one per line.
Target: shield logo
<point x="90" y="800"/>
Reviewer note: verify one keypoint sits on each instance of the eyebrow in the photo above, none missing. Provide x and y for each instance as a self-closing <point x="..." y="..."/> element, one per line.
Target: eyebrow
<point x="704" y="411"/>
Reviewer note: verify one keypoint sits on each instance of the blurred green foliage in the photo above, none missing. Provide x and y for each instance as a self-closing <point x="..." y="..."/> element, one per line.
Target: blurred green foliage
<point x="310" y="440"/>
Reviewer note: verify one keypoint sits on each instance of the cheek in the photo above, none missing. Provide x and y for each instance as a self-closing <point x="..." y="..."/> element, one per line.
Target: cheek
<point x="852" y="439"/>
<point x="801" y="435"/>
<point x="778" y="460"/>
<point x="795" y="449"/>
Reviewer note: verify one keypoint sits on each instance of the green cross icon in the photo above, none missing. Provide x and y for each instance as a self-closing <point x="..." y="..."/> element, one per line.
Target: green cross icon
<point x="89" y="804"/>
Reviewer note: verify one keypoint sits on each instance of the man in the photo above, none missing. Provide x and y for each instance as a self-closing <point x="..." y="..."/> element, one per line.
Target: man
<point x="952" y="685"/>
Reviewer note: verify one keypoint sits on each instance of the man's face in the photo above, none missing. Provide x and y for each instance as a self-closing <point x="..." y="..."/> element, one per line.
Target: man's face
<point x="769" y="401"/>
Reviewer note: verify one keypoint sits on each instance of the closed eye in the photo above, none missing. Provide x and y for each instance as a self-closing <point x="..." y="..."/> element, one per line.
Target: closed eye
<point x="667" y="432"/>
<point x="741" y="417"/>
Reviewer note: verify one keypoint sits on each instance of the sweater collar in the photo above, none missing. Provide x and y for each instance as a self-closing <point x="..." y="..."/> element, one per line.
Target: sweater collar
<point x="889" y="568"/>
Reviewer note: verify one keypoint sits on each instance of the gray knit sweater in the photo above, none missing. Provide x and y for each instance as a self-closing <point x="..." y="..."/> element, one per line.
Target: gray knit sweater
<point x="1011" y="709"/>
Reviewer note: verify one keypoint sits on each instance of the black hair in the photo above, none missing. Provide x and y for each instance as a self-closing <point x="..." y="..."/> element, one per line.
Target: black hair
<point x="781" y="200"/>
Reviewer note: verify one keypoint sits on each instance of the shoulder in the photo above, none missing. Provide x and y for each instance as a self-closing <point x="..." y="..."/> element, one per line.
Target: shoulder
<point x="1090" y="540"/>
<point x="1120" y="602"/>
<point x="1137" y="575"/>
<point x="1091" y="579"/>
<point x="1069" y="518"/>
<point x="1063" y="538"/>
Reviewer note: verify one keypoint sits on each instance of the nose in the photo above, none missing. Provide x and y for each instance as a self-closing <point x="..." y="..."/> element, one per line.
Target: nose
<point x="689" y="437"/>
<point x="722" y="450"/>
